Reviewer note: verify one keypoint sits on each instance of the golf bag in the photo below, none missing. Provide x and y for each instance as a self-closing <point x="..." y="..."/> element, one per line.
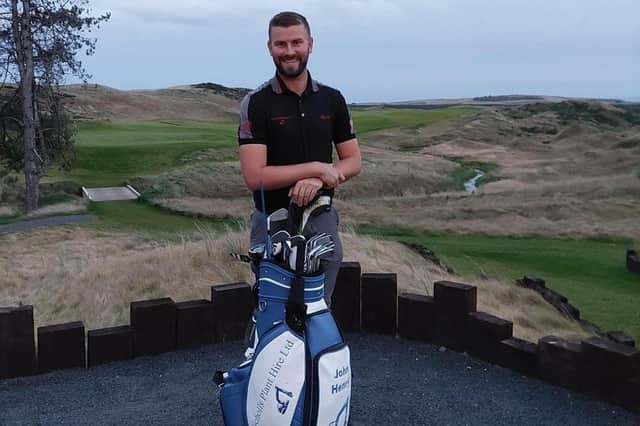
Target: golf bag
<point x="299" y="372"/>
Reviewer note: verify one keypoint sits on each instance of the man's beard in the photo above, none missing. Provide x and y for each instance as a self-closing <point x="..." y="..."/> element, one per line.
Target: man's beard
<point x="292" y="73"/>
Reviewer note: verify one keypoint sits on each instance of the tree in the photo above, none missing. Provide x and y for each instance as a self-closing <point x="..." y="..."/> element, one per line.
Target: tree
<point x="39" y="44"/>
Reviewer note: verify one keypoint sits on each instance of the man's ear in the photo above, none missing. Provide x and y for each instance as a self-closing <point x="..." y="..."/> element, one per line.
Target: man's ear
<point x="310" y="44"/>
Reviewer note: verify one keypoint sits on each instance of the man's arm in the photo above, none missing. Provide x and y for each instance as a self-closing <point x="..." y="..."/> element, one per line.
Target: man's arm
<point x="350" y="160"/>
<point x="349" y="165"/>
<point x="253" y="162"/>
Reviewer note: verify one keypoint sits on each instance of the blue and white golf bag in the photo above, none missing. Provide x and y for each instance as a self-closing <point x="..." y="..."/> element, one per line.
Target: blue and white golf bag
<point x="300" y="371"/>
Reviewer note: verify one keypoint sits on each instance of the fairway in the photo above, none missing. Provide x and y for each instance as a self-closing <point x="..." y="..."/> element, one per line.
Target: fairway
<point x="591" y="273"/>
<point x="157" y="132"/>
<point x="142" y="217"/>
<point x="110" y="153"/>
<point x="369" y="120"/>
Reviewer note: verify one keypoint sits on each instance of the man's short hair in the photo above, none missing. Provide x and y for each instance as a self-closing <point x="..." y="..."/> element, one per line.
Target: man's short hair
<point x="288" y="19"/>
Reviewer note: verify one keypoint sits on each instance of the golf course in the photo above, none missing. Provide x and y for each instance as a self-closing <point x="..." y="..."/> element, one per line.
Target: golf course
<point x="558" y="200"/>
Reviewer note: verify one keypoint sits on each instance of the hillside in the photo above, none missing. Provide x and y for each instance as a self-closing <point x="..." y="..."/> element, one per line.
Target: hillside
<point x="568" y="168"/>
<point x="552" y="169"/>
<point x="205" y="101"/>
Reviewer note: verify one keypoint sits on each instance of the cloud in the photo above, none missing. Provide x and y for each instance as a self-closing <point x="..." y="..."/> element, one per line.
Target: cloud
<point x="446" y="45"/>
<point x="207" y="13"/>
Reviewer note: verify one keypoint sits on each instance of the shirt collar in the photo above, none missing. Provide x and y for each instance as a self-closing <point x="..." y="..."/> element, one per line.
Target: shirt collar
<point x="278" y="86"/>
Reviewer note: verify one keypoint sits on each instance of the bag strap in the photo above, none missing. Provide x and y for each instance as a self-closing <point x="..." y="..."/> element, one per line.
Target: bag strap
<point x="296" y="310"/>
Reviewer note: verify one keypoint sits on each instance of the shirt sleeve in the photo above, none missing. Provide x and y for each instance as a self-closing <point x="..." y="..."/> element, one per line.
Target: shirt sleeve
<point x="252" y="127"/>
<point x="342" y="124"/>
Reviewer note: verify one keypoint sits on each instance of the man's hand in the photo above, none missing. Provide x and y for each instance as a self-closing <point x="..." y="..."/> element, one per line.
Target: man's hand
<point x="331" y="176"/>
<point x="305" y="190"/>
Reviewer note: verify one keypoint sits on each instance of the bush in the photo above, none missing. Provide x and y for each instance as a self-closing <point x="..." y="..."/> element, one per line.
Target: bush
<point x="57" y="134"/>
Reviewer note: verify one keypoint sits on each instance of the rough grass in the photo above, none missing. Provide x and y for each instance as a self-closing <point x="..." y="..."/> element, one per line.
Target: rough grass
<point x="55" y="199"/>
<point x="113" y="152"/>
<point x="581" y="182"/>
<point x="90" y="275"/>
<point x="594" y="112"/>
<point x="590" y="272"/>
<point x="577" y="207"/>
<point x="220" y="180"/>
<point x="76" y="205"/>
<point x="210" y="207"/>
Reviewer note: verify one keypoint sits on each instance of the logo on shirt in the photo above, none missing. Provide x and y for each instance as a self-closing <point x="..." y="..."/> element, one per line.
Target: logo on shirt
<point x="281" y="120"/>
<point x="325" y="117"/>
<point x="245" y="127"/>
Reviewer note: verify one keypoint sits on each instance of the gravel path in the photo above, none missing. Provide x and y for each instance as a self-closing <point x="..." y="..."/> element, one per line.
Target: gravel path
<point x="395" y="383"/>
<point x="27" y="225"/>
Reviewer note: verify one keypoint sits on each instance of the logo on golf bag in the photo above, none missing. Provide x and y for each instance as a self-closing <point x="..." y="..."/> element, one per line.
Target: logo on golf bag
<point x="283" y="405"/>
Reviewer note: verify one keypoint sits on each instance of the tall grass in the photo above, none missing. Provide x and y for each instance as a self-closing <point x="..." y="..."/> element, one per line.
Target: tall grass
<point x="590" y="272"/>
<point x="94" y="275"/>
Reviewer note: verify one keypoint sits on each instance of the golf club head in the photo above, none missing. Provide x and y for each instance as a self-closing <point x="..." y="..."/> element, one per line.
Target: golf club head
<point x="256" y="254"/>
<point x="277" y="221"/>
<point x="280" y="236"/>
<point x="278" y="215"/>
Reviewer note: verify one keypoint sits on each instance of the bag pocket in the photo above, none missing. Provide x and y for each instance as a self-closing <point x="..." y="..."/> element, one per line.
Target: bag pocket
<point x="233" y="396"/>
<point x="332" y="386"/>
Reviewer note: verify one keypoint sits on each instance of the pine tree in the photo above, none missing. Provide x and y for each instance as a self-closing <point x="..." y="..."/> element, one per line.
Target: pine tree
<point x="39" y="45"/>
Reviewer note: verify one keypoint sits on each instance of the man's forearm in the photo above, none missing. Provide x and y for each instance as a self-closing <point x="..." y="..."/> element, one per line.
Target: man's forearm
<point x="350" y="159"/>
<point x="274" y="177"/>
<point x="349" y="167"/>
<point x="256" y="172"/>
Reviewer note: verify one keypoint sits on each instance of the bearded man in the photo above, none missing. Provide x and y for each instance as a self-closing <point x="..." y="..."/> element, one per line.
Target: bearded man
<point x="288" y="129"/>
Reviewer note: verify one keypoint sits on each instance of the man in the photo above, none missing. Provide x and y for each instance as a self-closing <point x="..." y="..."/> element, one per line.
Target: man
<point x="288" y="127"/>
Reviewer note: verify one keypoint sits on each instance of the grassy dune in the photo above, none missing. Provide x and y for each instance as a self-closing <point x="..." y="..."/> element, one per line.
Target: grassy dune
<point x="591" y="273"/>
<point x="415" y="162"/>
<point x="95" y="274"/>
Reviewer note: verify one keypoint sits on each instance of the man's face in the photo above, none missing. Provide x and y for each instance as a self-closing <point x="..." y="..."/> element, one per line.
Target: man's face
<point x="290" y="48"/>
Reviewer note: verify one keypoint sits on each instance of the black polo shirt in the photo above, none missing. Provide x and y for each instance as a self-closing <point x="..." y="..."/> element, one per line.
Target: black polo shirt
<point x="295" y="129"/>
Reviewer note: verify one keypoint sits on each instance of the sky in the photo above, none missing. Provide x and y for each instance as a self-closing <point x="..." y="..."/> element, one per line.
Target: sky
<point x="380" y="50"/>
